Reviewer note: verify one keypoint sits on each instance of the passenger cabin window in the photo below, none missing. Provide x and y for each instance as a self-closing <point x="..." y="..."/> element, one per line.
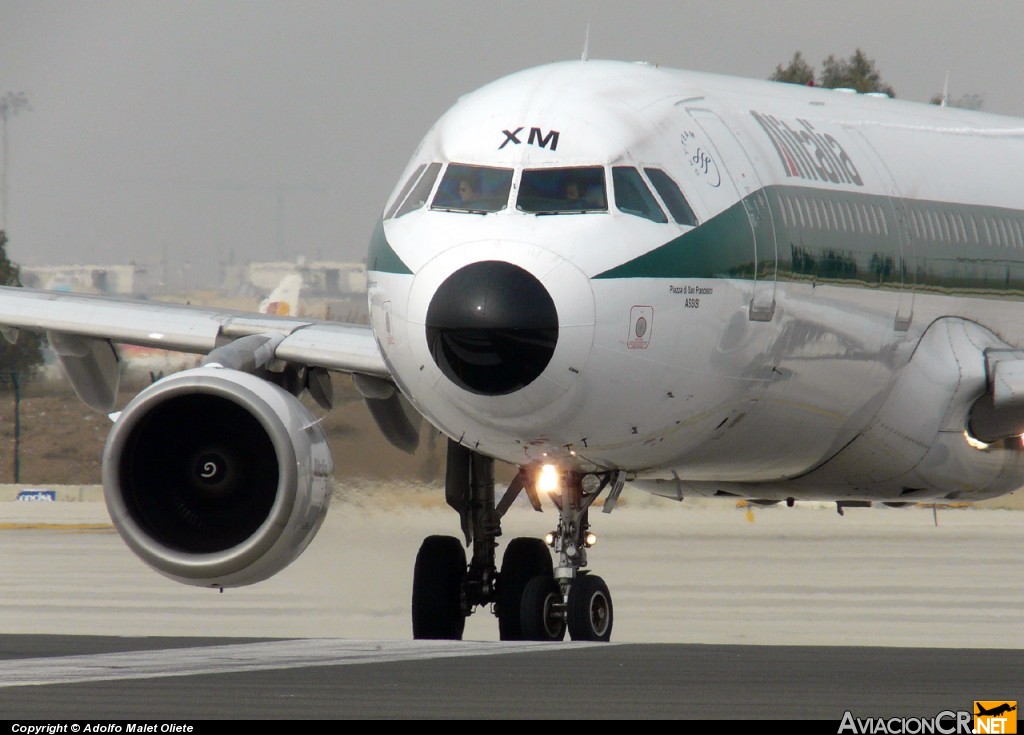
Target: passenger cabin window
<point x="420" y="190"/>
<point x="562" y="191"/>
<point x="476" y="189"/>
<point x="632" y="195"/>
<point x="669" y="192"/>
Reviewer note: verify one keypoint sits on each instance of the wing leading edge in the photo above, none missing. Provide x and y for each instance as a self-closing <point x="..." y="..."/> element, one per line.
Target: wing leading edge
<point x="348" y="348"/>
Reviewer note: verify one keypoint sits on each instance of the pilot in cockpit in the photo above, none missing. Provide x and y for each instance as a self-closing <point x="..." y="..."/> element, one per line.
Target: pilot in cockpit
<point x="572" y="190"/>
<point x="574" y="195"/>
<point x="576" y="199"/>
<point x="468" y="190"/>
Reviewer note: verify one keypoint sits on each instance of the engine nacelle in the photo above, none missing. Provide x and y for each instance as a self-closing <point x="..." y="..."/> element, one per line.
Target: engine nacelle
<point x="217" y="478"/>
<point x="916" y="446"/>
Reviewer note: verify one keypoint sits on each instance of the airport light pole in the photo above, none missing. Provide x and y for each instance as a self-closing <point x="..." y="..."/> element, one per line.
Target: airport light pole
<point x="10" y="105"/>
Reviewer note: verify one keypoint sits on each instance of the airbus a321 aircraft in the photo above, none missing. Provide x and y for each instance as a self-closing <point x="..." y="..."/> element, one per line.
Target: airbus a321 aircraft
<point x="602" y="273"/>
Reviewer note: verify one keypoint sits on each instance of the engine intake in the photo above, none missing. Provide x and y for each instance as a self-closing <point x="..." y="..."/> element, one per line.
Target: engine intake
<point x="215" y="477"/>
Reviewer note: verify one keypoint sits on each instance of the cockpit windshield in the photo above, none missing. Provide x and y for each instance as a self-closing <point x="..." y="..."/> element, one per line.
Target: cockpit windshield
<point x="477" y="189"/>
<point x="405" y="204"/>
<point x="562" y="190"/>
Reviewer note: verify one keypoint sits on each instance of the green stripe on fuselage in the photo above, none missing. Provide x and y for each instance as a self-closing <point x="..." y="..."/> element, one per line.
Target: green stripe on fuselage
<point x="382" y="257"/>
<point x="722" y="247"/>
<point x="850" y="238"/>
<point x="827" y="246"/>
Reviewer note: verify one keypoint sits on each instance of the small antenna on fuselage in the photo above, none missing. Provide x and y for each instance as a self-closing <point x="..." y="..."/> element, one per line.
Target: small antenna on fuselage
<point x="945" y="91"/>
<point x="586" y="44"/>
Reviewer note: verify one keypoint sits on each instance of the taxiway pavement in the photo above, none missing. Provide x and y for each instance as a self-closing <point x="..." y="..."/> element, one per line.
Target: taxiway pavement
<point x="719" y="612"/>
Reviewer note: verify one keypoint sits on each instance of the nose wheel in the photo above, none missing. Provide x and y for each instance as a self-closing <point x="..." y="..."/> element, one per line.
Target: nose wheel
<point x="542" y="613"/>
<point x="589" y="613"/>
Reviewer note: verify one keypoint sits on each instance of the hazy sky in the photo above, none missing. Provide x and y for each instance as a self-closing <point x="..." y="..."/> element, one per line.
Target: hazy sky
<point x="218" y="131"/>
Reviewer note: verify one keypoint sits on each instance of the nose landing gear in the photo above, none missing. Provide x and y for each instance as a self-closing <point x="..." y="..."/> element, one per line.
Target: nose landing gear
<point x="532" y="598"/>
<point x="572" y="597"/>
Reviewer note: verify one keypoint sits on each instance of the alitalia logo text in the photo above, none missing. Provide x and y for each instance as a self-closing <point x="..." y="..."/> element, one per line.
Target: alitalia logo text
<point x="808" y="154"/>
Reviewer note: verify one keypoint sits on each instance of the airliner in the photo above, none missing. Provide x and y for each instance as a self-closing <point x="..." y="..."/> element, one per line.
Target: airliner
<point x="601" y="273"/>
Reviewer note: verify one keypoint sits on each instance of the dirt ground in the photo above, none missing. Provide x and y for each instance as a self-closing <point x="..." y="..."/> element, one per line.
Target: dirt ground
<point x="61" y="439"/>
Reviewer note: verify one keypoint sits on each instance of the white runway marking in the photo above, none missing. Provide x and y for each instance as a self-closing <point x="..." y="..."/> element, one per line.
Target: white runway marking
<point x="241" y="657"/>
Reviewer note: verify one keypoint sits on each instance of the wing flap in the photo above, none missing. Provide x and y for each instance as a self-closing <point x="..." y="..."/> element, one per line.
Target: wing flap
<point x="348" y="348"/>
<point x="91" y="366"/>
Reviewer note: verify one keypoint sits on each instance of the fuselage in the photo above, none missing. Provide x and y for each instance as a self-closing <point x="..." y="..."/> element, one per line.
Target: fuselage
<point x="708" y="282"/>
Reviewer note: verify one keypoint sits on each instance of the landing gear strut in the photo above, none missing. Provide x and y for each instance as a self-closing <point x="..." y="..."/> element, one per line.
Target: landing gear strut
<point x="440" y="602"/>
<point x="532" y="598"/>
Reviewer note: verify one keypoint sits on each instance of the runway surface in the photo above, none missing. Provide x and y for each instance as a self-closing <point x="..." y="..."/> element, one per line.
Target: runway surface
<point x="190" y="679"/>
<point x="783" y="613"/>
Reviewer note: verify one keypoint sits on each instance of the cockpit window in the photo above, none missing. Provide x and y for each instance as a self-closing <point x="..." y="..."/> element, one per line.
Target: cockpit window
<point x="476" y="189"/>
<point x="562" y="190"/>
<point x="669" y="192"/>
<point x="405" y="191"/>
<point x="421" y="192"/>
<point x="632" y="195"/>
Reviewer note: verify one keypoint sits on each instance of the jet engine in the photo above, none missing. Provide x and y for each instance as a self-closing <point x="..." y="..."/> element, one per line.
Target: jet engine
<point x="960" y="385"/>
<point x="216" y="477"/>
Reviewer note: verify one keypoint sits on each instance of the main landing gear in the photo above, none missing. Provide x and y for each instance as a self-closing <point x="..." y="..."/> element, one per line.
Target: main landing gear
<point x="532" y="598"/>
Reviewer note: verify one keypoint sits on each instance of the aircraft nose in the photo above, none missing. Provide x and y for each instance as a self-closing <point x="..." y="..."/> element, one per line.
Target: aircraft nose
<point x="492" y="328"/>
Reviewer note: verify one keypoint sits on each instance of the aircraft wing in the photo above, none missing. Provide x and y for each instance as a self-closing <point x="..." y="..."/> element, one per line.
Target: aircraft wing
<point x="349" y="348"/>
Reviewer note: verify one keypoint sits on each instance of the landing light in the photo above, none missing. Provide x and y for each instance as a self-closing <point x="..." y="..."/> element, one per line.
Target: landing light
<point x="590" y="539"/>
<point x="548" y="480"/>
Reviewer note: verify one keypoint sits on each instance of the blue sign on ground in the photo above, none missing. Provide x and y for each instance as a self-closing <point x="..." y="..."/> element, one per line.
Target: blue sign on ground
<point x="37" y="495"/>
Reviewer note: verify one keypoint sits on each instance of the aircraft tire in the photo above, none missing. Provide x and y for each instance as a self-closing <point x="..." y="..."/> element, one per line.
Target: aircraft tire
<point x="524" y="559"/>
<point x="437" y="610"/>
<point x="590" y="614"/>
<point x="540" y="619"/>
